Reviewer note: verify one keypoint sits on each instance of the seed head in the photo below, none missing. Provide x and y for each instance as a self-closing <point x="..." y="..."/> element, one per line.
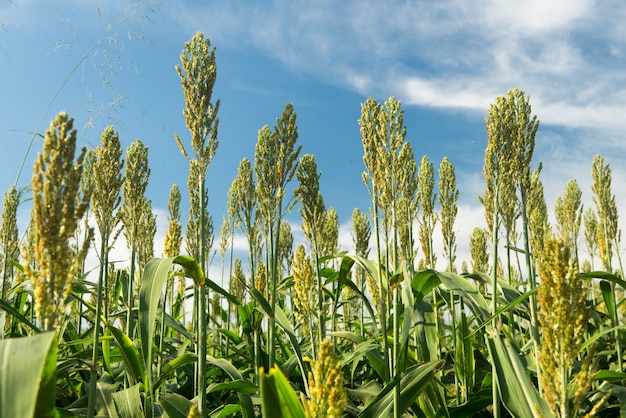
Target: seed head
<point x="328" y="397"/>
<point x="55" y="217"/>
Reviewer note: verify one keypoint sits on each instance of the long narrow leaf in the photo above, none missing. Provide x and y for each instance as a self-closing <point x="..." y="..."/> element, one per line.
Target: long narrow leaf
<point x="278" y="398"/>
<point x="244" y="399"/>
<point x="154" y="277"/>
<point x="132" y="359"/>
<point x="28" y="376"/>
<point x="518" y="394"/>
<point x="128" y="403"/>
<point x="412" y="383"/>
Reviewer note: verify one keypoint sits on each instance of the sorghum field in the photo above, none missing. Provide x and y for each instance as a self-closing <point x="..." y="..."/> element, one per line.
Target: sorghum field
<point x="526" y="328"/>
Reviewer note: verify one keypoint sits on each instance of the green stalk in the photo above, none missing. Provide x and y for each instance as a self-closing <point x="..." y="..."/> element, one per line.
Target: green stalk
<point x="130" y="325"/>
<point x="320" y="296"/>
<point x="161" y="337"/>
<point x="202" y="314"/>
<point x="272" y="276"/>
<point x="383" y="308"/>
<point x="534" y="327"/>
<point x="495" y="394"/>
<point x="93" y="374"/>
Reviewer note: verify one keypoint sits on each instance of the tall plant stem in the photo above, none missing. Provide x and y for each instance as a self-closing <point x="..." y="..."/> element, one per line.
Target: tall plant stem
<point x="320" y="297"/>
<point x="130" y="319"/>
<point x="273" y="263"/>
<point x="202" y="312"/>
<point x="534" y="326"/>
<point x="383" y="300"/>
<point x="495" y="394"/>
<point x="93" y="376"/>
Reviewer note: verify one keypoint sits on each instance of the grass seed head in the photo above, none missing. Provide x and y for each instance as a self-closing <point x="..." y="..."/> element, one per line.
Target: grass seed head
<point x="328" y="397"/>
<point x="54" y="261"/>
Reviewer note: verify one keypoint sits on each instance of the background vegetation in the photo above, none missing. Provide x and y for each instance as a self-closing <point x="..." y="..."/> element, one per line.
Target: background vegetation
<point x="525" y="328"/>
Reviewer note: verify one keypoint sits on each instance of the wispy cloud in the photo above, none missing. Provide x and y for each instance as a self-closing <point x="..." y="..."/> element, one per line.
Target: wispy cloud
<point x="567" y="54"/>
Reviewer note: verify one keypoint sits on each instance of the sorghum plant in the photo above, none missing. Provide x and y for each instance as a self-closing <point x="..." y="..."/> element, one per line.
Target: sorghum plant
<point x="569" y="214"/>
<point x="107" y="183"/>
<point x="197" y="74"/>
<point x="448" y="196"/>
<point x="427" y="196"/>
<point x="132" y="213"/>
<point x="563" y="316"/>
<point x="275" y="164"/>
<point x="9" y="238"/>
<point x="55" y="217"/>
<point x="327" y="395"/>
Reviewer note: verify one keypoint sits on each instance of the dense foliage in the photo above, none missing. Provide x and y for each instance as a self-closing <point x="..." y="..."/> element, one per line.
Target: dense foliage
<point x="309" y="329"/>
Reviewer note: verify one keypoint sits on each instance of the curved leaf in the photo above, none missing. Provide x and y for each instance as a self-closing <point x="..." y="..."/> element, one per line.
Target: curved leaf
<point x="130" y="353"/>
<point x="278" y="398"/>
<point x="244" y="399"/>
<point x="412" y="383"/>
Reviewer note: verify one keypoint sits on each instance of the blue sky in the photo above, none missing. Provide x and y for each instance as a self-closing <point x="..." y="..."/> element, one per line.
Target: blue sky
<point x="446" y="61"/>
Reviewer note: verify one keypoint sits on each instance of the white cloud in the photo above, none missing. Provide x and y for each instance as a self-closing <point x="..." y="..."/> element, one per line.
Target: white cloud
<point x="450" y="54"/>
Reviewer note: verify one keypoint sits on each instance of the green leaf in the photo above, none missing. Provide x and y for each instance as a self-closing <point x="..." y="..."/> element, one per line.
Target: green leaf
<point x="130" y="353"/>
<point x="605" y="276"/>
<point x="412" y="383"/>
<point x="128" y="402"/>
<point x="28" y="376"/>
<point x="242" y="386"/>
<point x="244" y="399"/>
<point x="192" y="268"/>
<point x="154" y="277"/>
<point x="225" y="411"/>
<point x="610" y="376"/>
<point x="423" y="282"/>
<point x="15" y="314"/>
<point x="609" y="299"/>
<point x="172" y="365"/>
<point x="278" y="398"/>
<point x="104" y="396"/>
<point x="517" y="392"/>
<point x="175" y="405"/>
<point x="460" y="285"/>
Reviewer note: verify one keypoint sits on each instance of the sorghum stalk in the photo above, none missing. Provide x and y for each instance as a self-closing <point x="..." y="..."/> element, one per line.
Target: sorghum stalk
<point x="198" y="73"/>
<point x="361" y="238"/>
<point x="608" y="222"/>
<point x="132" y="214"/>
<point x="448" y="196"/>
<point x="313" y="212"/>
<point x="173" y="237"/>
<point x="276" y="161"/>
<point x="383" y="135"/>
<point x="107" y="182"/>
<point x="370" y="114"/>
